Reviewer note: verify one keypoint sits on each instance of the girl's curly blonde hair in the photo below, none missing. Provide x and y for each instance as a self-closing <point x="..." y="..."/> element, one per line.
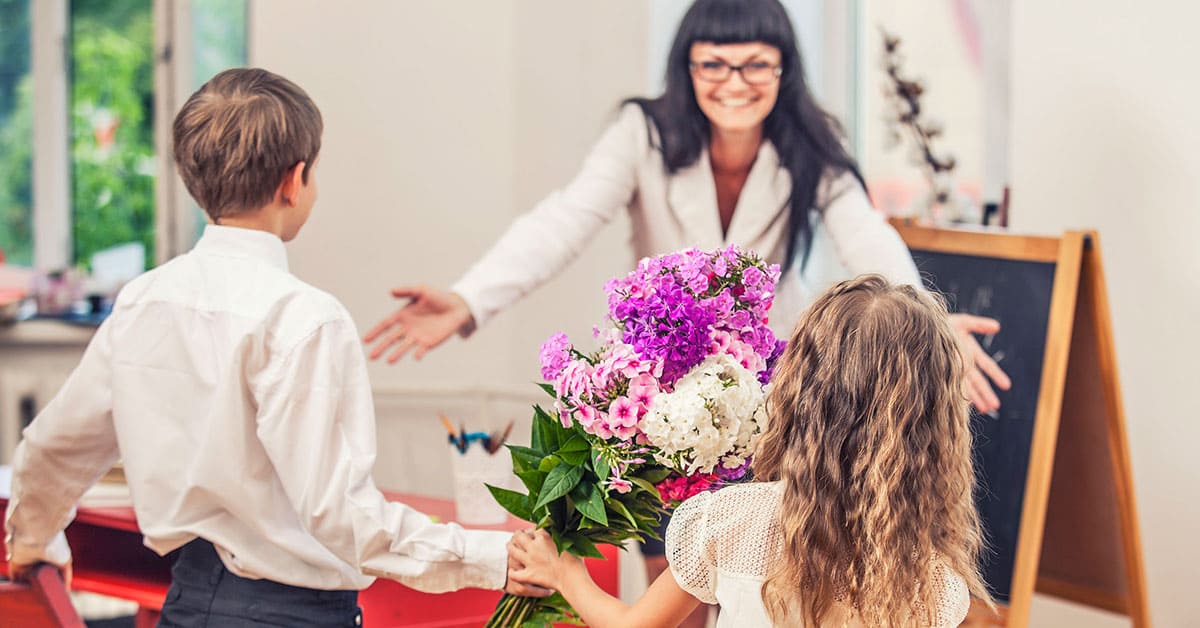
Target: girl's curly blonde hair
<point x="869" y="433"/>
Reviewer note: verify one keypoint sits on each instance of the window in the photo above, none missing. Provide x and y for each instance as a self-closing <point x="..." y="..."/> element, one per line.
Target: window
<point x="16" y="134"/>
<point x="84" y="129"/>
<point x="111" y="63"/>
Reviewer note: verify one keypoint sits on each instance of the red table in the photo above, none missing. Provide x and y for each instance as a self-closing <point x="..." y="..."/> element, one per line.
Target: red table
<point x="109" y="559"/>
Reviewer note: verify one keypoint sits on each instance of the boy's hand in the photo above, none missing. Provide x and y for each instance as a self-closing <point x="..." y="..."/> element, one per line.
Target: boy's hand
<point x="542" y="564"/>
<point x="979" y="365"/>
<point x="23" y="572"/>
<point x="430" y="317"/>
<point x="513" y="584"/>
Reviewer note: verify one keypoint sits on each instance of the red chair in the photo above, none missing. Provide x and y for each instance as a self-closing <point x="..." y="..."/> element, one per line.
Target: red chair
<point x="42" y="603"/>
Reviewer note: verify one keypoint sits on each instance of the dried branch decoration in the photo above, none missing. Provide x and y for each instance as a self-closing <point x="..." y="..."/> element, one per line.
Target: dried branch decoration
<point x="904" y="96"/>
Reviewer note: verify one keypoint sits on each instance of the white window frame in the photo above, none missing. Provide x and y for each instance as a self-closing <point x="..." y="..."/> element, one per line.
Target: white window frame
<point x="174" y="217"/>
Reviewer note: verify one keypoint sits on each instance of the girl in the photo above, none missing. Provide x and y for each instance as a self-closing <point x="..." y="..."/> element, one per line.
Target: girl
<point x="863" y="513"/>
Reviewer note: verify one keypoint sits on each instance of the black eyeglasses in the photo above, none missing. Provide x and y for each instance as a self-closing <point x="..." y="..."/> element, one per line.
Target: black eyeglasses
<point x="754" y="72"/>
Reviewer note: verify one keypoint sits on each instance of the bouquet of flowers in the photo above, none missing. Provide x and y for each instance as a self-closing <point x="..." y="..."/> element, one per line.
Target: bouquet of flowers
<point x="671" y="404"/>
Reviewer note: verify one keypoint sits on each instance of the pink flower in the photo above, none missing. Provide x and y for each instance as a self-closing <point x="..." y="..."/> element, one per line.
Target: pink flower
<point x="600" y="429"/>
<point x="621" y="486"/>
<point x="720" y="342"/>
<point x="586" y="416"/>
<point x="624" y="432"/>
<point x="642" y="389"/>
<point x="623" y="412"/>
<point x="676" y="489"/>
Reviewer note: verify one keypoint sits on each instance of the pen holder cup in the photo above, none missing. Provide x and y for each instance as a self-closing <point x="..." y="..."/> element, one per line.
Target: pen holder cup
<point x="472" y="471"/>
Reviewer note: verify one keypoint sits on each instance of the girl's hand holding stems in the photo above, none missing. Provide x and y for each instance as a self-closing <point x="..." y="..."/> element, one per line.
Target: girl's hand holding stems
<point x="534" y="559"/>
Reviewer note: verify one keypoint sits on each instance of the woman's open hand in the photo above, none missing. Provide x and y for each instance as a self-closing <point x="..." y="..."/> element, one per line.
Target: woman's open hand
<point x="430" y="317"/>
<point x="980" y="366"/>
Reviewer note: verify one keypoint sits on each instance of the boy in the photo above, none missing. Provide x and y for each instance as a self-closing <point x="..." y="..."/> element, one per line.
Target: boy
<point x="237" y="397"/>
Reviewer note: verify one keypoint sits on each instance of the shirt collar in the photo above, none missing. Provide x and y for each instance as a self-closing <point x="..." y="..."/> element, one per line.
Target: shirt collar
<point x="240" y="242"/>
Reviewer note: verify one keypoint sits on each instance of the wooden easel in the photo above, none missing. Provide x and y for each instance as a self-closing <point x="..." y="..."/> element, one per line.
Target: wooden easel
<point x="1078" y="536"/>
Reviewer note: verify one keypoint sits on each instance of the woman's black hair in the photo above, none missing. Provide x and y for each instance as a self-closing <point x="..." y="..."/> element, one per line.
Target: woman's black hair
<point x="807" y="138"/>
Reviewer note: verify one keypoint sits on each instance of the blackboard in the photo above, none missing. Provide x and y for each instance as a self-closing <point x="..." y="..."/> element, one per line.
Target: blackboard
<point x="1055" y="483"/>
<point x="1017" y="293"/>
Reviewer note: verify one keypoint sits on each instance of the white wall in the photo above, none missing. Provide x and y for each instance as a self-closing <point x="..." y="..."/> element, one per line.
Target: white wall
<point x="443" y="121"/>
<point x="1106" y="131"/>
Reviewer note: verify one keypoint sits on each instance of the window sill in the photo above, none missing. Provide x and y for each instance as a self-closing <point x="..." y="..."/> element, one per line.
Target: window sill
<point x="45" y="333"/>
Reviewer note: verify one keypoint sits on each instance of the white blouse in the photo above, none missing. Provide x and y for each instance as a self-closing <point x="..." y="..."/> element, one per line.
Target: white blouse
<point x="721" y="545"/>
<point x="669" y="212"/>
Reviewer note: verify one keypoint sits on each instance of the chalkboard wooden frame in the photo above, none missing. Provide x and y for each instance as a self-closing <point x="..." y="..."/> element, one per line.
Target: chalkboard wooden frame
<point x="1079" y="537"/>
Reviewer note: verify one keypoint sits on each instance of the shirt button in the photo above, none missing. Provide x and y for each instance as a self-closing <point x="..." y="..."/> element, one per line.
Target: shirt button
<point x="358" y="619"/>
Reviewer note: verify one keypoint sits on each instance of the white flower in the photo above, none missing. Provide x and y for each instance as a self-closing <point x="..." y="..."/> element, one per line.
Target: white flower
<point x="713" y="416"/>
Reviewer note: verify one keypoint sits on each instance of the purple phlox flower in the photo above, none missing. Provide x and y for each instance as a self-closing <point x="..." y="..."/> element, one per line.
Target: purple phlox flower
<point x="773" y="273"/>
<point x="720" y="266"/>
<point x="555" y="354"/>
<point x="765" y="376"/>
<point x="721" y="305"/>
<point x="740" y="320"/>
<point x="735" y="472"/>
<point x="754" y="278"/>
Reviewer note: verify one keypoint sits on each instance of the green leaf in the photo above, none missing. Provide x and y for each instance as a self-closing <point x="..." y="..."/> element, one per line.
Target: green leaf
<point x="644" y="485"/>
<point x="549" y="388"/>
<point x="654" y="475"/>
<point x="575" y="443"/>
<point x="559" y="482"/>
<point x="545" y="430"/>
<point x="600" y="465"/>
<point x="556" y="514"/>
<point x="524" y="458"/>
<point x="512" y="501"/>
<point x="532" y="479"/>
<point x="584" y="547"/>
<point x="577" y="458"/>
<point x="575" y="450"/>
<point x="549" y="463"/>
<point x="592" y="505"/>
<point x="620" y="509"/>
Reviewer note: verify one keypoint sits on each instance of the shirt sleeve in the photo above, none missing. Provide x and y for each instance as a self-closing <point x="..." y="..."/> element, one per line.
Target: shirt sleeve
<point x="316" y="421"/>
<point x="540" y="243"/>
<point x="691" y="550"/>
<point x="62" y="453"/>
<point x="861" y="235"/>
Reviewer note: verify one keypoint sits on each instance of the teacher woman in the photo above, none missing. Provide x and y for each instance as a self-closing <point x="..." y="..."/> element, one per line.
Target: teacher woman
<point x="735" y="151"/>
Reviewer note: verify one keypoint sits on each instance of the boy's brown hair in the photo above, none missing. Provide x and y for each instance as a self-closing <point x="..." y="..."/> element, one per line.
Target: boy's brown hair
<point x="237" y="136"/>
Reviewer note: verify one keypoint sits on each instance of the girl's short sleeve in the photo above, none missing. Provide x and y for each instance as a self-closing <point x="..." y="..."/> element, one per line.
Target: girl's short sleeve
<point x="690" y="550"/>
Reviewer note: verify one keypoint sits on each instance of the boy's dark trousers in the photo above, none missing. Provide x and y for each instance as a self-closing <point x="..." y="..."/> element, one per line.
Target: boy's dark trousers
<point x="204" y="593"/>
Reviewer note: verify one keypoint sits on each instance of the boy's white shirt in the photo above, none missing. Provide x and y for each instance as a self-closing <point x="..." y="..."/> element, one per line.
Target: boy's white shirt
<point x="237" y="398"/>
